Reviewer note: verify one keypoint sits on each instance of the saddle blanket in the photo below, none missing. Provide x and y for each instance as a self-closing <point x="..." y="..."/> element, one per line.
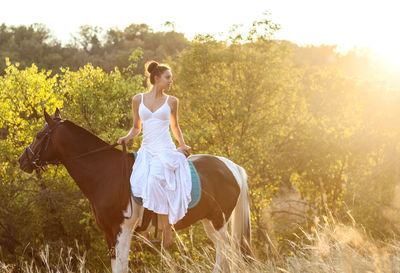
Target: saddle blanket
<point x="196" y="186"/>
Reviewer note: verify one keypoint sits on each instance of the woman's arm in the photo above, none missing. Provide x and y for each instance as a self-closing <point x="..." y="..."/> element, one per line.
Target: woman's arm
<point x="137" y="124"/>
<point x="176" y="130"/>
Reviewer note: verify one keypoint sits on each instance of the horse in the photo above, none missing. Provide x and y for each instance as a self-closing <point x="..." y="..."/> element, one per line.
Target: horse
<point x="100" y="171"/>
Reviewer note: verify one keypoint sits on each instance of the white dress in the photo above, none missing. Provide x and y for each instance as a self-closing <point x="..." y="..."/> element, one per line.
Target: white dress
<point x="160" y="174"/>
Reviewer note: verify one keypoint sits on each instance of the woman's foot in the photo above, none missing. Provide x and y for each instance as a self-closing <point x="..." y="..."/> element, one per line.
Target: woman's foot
<point x="146" y="235"/>
<point x="168" y="240"/>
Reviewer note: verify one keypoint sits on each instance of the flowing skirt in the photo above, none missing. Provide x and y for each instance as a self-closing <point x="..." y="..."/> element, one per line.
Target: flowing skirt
<point x="162" y="179"/>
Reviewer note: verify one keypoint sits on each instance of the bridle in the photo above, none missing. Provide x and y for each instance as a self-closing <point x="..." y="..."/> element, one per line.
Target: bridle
<point x="35" y="159"/>
<point x="39" y="164"/>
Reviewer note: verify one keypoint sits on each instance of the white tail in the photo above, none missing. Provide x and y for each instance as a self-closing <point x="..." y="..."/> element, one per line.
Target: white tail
<point x="240" y="219"/>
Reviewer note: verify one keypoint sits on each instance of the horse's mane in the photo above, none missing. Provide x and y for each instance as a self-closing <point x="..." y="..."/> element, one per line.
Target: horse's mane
<point x="85" y="134"/>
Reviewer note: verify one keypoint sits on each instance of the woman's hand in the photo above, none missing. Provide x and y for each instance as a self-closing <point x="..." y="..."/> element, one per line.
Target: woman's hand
<point x="186" y="149"/>
<point x="123" y="139"/>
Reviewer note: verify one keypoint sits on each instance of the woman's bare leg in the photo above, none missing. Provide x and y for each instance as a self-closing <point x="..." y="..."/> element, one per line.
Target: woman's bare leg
<point x="167" y="231"/>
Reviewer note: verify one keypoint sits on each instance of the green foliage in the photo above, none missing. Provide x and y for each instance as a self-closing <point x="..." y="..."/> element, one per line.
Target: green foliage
<point x="91" y="44"/>
<point x="98" y="101"/>
<point x="297" y="118"/>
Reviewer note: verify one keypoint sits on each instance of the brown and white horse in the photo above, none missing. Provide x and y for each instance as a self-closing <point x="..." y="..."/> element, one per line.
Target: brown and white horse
<point x="100" y="171"/>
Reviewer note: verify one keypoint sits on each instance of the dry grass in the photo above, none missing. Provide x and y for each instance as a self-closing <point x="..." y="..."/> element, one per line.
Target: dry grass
<point x="329" y="247"/>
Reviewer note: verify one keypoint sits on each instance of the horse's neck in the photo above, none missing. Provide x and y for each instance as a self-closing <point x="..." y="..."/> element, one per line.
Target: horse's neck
<point x="84" y="173"/>
<point x="89" y="171"/>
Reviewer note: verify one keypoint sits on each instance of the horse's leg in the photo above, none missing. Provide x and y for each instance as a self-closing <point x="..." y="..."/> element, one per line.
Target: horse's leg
<point x="119" y="264"/>
<point x="220" y="239"/>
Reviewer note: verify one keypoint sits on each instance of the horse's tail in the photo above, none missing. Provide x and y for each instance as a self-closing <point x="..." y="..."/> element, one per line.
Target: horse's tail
<point x="241" y="219"/>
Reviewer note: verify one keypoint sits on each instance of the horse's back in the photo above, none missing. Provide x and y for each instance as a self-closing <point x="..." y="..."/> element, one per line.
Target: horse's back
<point x="211" y="166"/>
<point x="219" y="190"/>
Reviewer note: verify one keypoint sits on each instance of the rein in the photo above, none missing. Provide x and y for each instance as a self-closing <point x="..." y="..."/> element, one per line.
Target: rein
<point x="38" y="163"/>
<point x="95" y="150"/>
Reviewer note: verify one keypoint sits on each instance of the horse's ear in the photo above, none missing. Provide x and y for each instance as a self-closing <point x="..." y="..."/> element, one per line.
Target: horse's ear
<point x="57" y="113"/>
<point x="48" y="119"/>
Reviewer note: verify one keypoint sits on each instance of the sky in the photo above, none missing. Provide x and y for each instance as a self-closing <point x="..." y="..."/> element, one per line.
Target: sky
<point x="345" y="23"/>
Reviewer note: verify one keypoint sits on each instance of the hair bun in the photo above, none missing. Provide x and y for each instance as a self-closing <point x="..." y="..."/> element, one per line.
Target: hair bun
<point x="153" y="65"/>
<point x="153" y="69"/>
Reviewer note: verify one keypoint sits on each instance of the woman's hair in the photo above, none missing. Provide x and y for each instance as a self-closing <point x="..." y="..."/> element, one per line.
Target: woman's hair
<point x="153" y="68"/>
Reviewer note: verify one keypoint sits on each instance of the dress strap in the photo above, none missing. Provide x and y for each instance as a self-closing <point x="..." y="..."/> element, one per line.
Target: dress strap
<point x="142" y="98"/>
<point x="167" y="98"/>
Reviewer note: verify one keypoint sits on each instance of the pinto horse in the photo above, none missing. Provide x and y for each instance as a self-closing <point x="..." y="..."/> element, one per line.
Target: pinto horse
<point x="100" y="171"/>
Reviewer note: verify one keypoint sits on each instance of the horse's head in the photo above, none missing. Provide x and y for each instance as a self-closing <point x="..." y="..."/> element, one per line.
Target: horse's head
<point x="42" y="150"/>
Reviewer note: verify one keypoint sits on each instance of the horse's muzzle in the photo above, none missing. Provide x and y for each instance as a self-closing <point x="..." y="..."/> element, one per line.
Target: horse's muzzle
<point x="24" y="163"/>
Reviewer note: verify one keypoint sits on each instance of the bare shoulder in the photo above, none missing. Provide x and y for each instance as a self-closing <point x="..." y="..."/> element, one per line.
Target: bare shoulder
<point x="173" y="101"/>
<point x="173" y="98"/>
<point x="136" y="101"/>
<point x="136" y="98"/>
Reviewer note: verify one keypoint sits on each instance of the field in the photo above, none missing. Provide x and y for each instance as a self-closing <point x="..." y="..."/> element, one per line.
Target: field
<point x="329" y="247"/>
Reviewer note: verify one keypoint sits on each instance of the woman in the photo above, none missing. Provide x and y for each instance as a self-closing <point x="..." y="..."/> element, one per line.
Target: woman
<point x="161" y="173"/>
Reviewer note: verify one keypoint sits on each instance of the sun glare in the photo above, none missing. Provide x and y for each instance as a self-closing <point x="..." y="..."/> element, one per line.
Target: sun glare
<point x="391" y="56"/>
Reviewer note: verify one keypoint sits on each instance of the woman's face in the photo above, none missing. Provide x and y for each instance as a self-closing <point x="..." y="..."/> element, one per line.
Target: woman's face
<point x="165" y="81"/>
